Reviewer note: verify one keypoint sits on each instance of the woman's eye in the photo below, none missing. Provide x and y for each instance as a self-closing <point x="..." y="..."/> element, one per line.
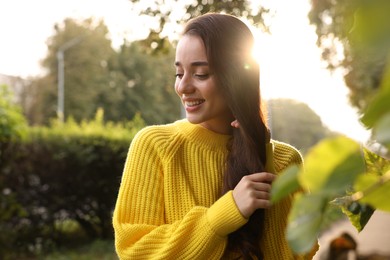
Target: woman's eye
<point x="202" y="76"/>
<point x="178" y="75"/>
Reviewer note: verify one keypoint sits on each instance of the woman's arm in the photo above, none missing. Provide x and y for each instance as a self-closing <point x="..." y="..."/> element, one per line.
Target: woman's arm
<point x="139" y="218"/>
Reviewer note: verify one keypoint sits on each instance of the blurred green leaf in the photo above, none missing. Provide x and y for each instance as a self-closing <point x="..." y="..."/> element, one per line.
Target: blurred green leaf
<point x="378" y="107"/>
<point x="371" y="22"/>
<point x="332" y="166"/>
<point x="359" y="214"/>
<point x="285" y="184"/>
<point x="375" y="190"/>
<point x="343" y="201"/>
<point x="382" y="130"/>
<point x="385" y="80"/>
<point x="375" y="164"/>
<point x="366" y="212"/>
<point x="357" y="209"/>
<point x="304" y="222"/>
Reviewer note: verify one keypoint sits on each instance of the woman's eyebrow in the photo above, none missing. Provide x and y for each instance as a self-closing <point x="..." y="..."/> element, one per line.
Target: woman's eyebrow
<point x="194" y="64"/>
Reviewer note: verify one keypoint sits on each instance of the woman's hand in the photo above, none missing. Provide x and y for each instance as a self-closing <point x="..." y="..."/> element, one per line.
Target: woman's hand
<point x="253" y="192"/>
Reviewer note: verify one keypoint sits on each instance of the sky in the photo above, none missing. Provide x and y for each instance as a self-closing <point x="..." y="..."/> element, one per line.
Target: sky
<point x="289" y="58"/>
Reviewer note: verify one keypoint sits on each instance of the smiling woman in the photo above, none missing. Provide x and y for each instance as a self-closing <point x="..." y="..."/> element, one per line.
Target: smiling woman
<point x="199" y="188"/>
<point x="197" y="87"/>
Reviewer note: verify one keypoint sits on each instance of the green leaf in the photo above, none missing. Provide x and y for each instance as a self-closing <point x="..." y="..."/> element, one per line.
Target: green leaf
<point x="332" y="166"/>
<point x="304" y="222"/>
<point x="344" y="201"/>
<point x="375" y="164"/>
<point x="378" y="107"/>
<point x="285" y="184"/>
<point x="359" y="214"/>
<point x="382" y="130"/>
<point x="375" y="190"/>
<point x="365" y="214"/>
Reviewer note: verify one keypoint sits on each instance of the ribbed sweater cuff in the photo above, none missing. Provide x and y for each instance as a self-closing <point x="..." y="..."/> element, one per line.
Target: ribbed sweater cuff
<point x="224" y="216"/>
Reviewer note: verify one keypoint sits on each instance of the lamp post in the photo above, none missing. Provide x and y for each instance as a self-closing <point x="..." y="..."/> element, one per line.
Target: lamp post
<point x="61" y="78"/>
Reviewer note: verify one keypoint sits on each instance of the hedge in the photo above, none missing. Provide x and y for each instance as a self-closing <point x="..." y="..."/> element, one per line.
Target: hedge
<point x="66" y="173"/>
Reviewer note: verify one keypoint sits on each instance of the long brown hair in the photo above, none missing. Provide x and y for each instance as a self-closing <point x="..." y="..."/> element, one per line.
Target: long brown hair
<point x="229" y="42"/>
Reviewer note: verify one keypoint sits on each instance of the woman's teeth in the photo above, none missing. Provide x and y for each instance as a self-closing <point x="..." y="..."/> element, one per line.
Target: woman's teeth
<point x="194" y="103"/>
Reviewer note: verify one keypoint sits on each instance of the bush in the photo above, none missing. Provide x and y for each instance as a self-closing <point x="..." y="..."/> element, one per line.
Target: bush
<point x="64" y="172"/>
<point x="12" y="122"/>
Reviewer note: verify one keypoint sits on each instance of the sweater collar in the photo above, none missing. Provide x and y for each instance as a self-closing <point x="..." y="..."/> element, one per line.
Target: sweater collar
<point x="203" y="136"/>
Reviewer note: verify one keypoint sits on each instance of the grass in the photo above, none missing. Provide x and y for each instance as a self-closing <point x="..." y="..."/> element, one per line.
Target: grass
<point x="97" y="250"/>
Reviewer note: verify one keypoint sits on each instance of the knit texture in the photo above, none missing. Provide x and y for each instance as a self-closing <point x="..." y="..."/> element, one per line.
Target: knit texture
<point x="169" y="204"/>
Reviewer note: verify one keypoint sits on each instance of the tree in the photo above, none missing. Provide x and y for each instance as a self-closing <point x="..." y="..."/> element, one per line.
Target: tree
<point x="147" y="84"/>
<point x="295" y="123"/>
<point x="86" y="72"/>
<point x="362" y="29"/>
<point x="123" y="83"/>
<point x="42" y="92"/>
<point x="163" y="12"/>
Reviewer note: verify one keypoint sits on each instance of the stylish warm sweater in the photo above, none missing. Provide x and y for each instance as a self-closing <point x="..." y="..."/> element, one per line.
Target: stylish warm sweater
<point x="169" y="204"/>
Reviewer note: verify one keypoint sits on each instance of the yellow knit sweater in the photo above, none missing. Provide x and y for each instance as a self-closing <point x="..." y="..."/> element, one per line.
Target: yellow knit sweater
<point x="169" y="204"/>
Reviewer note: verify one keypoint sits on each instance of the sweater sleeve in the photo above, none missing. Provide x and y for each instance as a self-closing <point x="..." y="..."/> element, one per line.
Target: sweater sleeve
<point x="139" y="217"/>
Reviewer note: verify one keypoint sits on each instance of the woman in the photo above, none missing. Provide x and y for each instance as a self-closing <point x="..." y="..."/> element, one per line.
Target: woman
<point x="199" y="188"/>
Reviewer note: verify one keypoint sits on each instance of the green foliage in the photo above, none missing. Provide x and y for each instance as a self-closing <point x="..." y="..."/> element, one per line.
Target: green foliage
<point x="358" y="214"/>
<point x="149" y="87"/>
<point x="336" y="173"/>
<point x="87" y="77"/>
<point x="377" y="113"/>
<point x="382" y="132"/>
<point x="97" y="127"/>
<point x="124" y="83"/>
<point x="163" y="14"/>
<point x="362" y="28"/>
<point x="12" y="123"/>
<point x="373" y="190"/>
<point x="286" y="185"/>
<point x="302" y="129"/>
<point x="67" y="171"/>
<point x="304" y="221"/>
<point x="13" y="128"/>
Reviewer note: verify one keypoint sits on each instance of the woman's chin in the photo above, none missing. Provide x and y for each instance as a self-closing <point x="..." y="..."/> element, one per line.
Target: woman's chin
<point x="193" y="120"/>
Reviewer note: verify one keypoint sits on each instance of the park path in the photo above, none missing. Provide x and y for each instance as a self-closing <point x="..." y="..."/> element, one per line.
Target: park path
<point x="375" y="237"/>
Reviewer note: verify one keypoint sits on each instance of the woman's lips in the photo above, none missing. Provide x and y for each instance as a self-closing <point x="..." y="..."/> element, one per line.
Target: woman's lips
<point x="193" y="104"/>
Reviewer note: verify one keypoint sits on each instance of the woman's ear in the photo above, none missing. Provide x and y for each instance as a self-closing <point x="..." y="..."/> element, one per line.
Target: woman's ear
<point x="235" y="124"/>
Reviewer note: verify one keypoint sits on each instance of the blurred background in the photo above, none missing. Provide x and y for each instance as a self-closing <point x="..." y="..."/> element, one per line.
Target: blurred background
<point x="291" y="64"/>
<point x="79" y="78"/>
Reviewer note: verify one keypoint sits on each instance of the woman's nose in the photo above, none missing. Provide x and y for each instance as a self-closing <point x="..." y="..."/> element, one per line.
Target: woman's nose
<point x="185" y="85"/>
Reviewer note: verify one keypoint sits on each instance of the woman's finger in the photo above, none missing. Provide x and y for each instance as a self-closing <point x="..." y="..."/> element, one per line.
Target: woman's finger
<point x="262" y="186"/>
<point x="260" y="177"/>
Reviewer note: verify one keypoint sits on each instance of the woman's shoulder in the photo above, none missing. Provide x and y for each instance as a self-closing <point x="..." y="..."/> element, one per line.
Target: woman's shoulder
<point x="156" y="133"/>
<point x="158" y="136"/>
<point x="285" y="155"/>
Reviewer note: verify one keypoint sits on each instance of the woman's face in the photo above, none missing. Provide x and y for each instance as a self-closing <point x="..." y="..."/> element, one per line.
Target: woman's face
<point x="196" y="86"/>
